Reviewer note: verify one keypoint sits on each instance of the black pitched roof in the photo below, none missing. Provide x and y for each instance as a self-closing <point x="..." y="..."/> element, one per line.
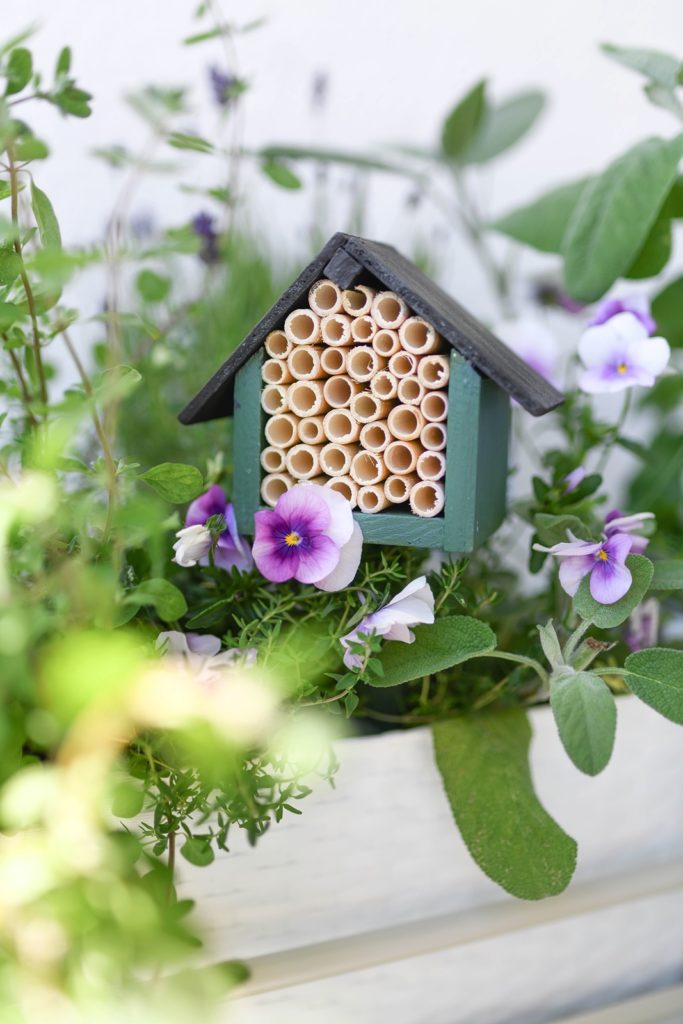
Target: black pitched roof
<point x="347" y="258"/>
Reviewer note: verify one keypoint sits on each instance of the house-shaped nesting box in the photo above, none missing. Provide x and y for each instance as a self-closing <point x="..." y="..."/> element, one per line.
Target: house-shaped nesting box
<point x="367" y="377"/>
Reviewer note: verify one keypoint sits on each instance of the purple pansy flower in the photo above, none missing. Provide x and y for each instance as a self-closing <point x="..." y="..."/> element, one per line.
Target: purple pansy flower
<point x="638" y="305"/>
<point x="617" y="522"/>
<point x="643" y="625"/>
<point x="604" y="560"/>
<point x="531" y="340"/>
<point x="231" y="550"/>
<point x="573" y="479"/>
<point x="309" y="536"/>
<point x="412" y="606"/>
<point x="619" y="354"/>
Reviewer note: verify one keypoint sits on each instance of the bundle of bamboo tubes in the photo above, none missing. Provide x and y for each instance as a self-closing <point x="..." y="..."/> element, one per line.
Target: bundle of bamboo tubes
<point x="355" y="391"/>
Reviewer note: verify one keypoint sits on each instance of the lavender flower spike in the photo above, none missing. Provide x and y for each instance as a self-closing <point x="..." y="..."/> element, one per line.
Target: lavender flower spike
<point x="412" y="606"/>
<point x="604" y="561"/>
<point x="619" y="354"/>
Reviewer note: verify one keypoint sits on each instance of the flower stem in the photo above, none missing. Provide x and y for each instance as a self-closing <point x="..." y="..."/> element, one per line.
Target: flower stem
<point x="613" y="434"/>
<point x="521" y="659"/>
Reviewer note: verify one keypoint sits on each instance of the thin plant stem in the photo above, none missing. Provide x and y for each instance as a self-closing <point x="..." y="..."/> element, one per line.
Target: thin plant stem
<point x="25" y="394"/>
<point x="521" y="659"/>
<point x="613" y="434"/>
<point x="171" y="863"/>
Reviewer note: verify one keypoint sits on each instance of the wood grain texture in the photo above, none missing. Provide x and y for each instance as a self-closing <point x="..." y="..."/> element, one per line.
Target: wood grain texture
<point x="343" y="269"/>
<point x="401" y="528"/>
<point x="462" y="439"/>
<point x="248" y="442"/>
<point x="492" y="461"/>
<point x="388" y="269"/>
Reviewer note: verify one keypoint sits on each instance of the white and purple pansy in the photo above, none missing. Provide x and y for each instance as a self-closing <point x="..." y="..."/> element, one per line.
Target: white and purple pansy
<point x="617" y="522"/>
<point x="603" y="560"/>
<point x="414" y="605"/>
<point x="231" y="551"/>
<point x="638" y="305"/>
<point x="309" y="536"/>
<point x="619" y="354"/>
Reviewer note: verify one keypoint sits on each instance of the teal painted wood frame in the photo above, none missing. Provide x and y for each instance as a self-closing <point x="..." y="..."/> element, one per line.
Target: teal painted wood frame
<point x="477" y="446"/>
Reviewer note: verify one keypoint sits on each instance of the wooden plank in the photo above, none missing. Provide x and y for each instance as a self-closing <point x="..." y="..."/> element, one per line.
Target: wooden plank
<point x="247" y="443"/>
<point x="462" y="438"/>
<point x="298" y="966"/>
<point x="492" y="461"/>
<point x="401" y="528"/>
<point x="343" y="269"/>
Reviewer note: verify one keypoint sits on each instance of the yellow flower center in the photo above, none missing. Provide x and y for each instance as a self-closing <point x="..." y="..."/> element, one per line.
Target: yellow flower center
<point x="602" y="555"/>
<point x="292" y="539"/>
<point x="622" y="368"/>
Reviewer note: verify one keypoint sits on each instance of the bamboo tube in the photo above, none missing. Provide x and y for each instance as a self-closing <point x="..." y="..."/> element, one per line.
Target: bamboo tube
<point x="434" y="371"/>
<point x="346" y="486"/>
<point x="336" y="330"/>
<point x="397" y="488"/>
<point x="304" y="363"/>
<point x="431" y="466"/>
<point x="433" y="437"/>
<point x="405" y="422"/>
<point x="363" y="363"/>
<point x="368" y="468"/>
<point x="358" y="301"/>
<point x="311" y="430"/>
<point x="389" y="310"/>
<point x="282" y="430"/>
<point x="278" y="345"/>
<point x="363" y="330"/>
<point x="303" y="461"/>
<point x="335" y="459"/>
<point x="403" y="364"/>
<point x="341" y="427"/>
<point x="386" y="343"/>
<point x="384" y="385"/>
<point x="411" y="391"/>
<point x="276" y="371"/>
<point x="273" y="459"/>
<point x="367" y="408"/>
<point x="302" y="327"/>
<point x="274" y="486"/>
<point x="434" y="406"/>
<point x="371" y="498"/>
<point x="324" y="297"/>
<point x="401" y="457"/>
<point x="418" y="337"/>
<point x="427" y="498"/>
<point x="375" y="437"/>
<point x="333" y="361"/>
<point x="274" y="399"/>
<point x="339" y="391"/>
<point x="306" y="398"/>
<point x="317" y="481"/>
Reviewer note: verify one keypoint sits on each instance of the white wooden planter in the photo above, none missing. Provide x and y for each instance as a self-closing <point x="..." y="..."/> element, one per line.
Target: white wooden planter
<point x="368" y="907"/>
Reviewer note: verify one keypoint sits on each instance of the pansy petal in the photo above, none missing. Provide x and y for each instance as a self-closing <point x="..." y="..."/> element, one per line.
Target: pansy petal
<point x="211" y="503"/>
<point x="203" y="643"/>
<point x="341" y="515"/>
<point x="610" y="580"/>
<point x="399" y="631"/>
<point x="347" y="567"/>
<point x="572" y="571"/>
<point x="599" y="382"/>
<point x="617" y="546"/>
<point x="618" y="523"/>
<point x="317" y="559"/>
<point x="417" y="588"/>
<point x="172" y="641"/>
<point x="304" y="504"/>
<point x="650" y="356"/>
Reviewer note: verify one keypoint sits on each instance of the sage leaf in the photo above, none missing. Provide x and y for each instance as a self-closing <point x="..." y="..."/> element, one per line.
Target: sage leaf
<point x="461" y="125"/>
<point x="586" y="718"/>
<point x="174" y="481"/>
<point x="655" y="676"/>
<point x="605" y="616"/>
<point x="448" y="642"/>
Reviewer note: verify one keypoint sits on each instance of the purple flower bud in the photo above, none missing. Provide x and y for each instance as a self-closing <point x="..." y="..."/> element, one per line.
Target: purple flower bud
<point x="223" y="86"/>
<point x="573" y="479"/>
<point x="204" y="226"/>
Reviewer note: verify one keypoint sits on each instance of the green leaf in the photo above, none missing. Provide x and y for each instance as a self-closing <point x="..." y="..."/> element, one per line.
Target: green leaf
<point x="174" y="481"/>
<point x="127" y="800"/>
<point x="461" y="125"/>
<point x="553" y="529"/>
<point x="192" y="142"/>
<point x="656" y="251"/>
<point x="668" y="575"/>
<point x="72" y="100"/>
<point x="63" y="65"/>
<point x="449" y="641"/>
<point x="542" y="224"/>
<point x="586" y="718"/>
<point x="197" y="851"/>
<point x="655" y="676"/>
<point x="658" y="67"/>
<point x="169" y="602"/>
<point x="667" y="307"/>
<point x="483" y="760"/>
<point x="10" y="265"/>
<point x="614" y="216"/>
<point x="152" y="286"/>
<point x="281" y="174"/>
<point x="9" y="314"/>
<point x="48" y="225"/>
<point x="503" y="126"/>
<point x="328" y="156"/>
<point x="19" y="70"/>
<point x="28" y="148"/>
<point x="605" y="616"/>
